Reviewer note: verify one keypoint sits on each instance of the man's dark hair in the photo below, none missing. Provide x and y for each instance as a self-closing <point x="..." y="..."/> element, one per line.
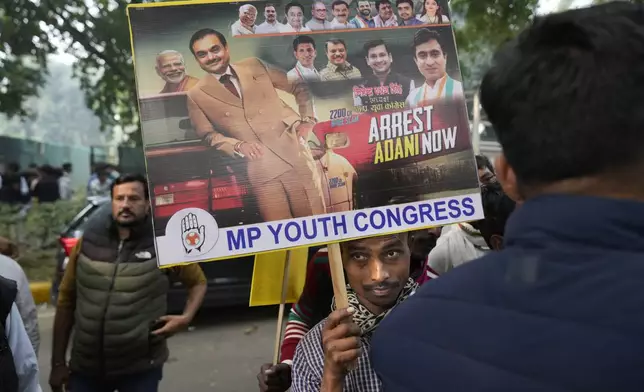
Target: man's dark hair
<point x="410" y="2"/>
<point x="200" y="34"/>
<point x="270" y="5"/>
<point x="291" y="5"/>
<point x="568" y="87"/>
<point x="372" y="44"/>
<point x="426" y="35"/>
<point x="339" y="2"/>
<point x="334" y="41"/>
<point x="482" y="162"/>
<point x="302" y="39"/>
<point x="127" y="178"/>
<point x="13" y="167"/>
<point x="67" y="167"/>
<point x="497" y="208"/>
<point x="381" y="2"/>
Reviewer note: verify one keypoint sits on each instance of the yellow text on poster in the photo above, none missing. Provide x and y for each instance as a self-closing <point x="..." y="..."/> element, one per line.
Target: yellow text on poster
<point x="268" y="276"/>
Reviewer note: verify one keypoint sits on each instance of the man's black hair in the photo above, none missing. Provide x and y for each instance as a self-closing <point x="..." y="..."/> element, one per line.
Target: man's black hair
<point x="204" y="33"/>
<point x="426" y="35"/>
<point x="67" y="167"/>
<point x="565" y="96"/>
<point x="372" y="44"/>
<point x="291" y="5"/>
<point x="381" y="2"/>
<point x="497" y="208"/>
<point x="334" y="41"/>
<point x="14" y="167"/>
<point x="127" y="178"/>
<point x="302" y="39"/>
<point x="482" y="162"/>
<point x="339" y="2"/>
<point x="410" y="2"/>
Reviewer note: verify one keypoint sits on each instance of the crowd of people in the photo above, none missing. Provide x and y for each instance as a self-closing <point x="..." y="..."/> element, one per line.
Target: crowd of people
<point x="543" y="294"/>
<point x="384" y="14"/>
<point x="48" y="184"/>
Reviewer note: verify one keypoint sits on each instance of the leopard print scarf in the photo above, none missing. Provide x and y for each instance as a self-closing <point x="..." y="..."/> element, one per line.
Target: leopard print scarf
<point x="368" y="321"/>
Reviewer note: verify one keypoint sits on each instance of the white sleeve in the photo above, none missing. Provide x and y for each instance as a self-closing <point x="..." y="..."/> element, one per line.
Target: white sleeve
<point x="439" y="259"/>
<point x="27" y="308"/>
<point x="24" y="188"/>
<point x="24" y="357"/>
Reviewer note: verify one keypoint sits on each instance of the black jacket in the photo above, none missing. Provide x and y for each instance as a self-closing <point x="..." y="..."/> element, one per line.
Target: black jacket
<point x="8" y="375"/>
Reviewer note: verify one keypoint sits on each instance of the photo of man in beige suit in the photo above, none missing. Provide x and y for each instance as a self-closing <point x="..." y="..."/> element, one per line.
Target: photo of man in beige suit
<point x="235" y="108"/>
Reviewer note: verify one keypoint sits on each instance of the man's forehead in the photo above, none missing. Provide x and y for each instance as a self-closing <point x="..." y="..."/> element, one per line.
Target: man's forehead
<point x="380" y="49"/>
<point x="305" y="46"/>
<point x="376" y="242"/>
<point x="332" y="45"/>
<point x="129" y="188"/>
<point x="429" y="46"/>
<point x="365" y="3"/>
<point x="207" y="41"/>
<point x="169" y="58"/>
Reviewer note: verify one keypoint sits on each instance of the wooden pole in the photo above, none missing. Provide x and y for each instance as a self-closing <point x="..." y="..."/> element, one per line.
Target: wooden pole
<point x="280" y="315"/>
<point x="337" y="277"/>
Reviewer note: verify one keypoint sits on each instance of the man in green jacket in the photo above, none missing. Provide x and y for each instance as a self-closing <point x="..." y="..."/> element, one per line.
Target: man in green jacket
<point x="114" y="296"/>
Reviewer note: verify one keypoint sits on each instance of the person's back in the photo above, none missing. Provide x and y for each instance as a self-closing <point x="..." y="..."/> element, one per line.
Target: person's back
<point x="47" y="190"/>
<point x="561" y="307"/>
<point x="10" y="269"/>
<point x="18" y="362"/>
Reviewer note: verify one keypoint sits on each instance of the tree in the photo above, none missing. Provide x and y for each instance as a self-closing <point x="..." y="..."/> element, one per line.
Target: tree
<point x="481" y="26"/>
<point x="60" y="114"/>
<point x="96" y="32"/>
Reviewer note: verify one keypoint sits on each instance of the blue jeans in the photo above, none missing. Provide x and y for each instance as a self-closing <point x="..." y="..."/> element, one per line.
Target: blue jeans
<point x="147" y="381"/>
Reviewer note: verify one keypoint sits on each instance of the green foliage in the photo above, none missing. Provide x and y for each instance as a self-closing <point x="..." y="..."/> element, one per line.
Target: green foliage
<point x="37" y="232"/>
<point x="60" y="114"/>
<point x="482" y="27"/>
<point x="96" y="32"/>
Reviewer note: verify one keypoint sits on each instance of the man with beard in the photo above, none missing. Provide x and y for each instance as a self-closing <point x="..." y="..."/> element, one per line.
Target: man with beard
<point x="246" y="23"/>
<point x="406" y="13"/>
<point x="172" y="69"/>
<point x="340" y="10"/>
<point x="318" y="20"/>
<point x="387" y="86"/>
<point x="236" y="109"/>
<point x="114" y="297"/>
<point x="560" y="307"/>
<point x="378" y="275"/>
<point x="363" y="17"/>
<point x="431" y="61"/>
<point x="270" y="25"/>
<point x="338" y="67"/>
<point x="305" y="53"/>
<point x="294" y="19"/>
<point x="385" y="17"/>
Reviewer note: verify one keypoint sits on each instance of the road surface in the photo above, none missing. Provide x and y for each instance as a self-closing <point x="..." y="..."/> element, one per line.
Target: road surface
<point x="222" y="352"/>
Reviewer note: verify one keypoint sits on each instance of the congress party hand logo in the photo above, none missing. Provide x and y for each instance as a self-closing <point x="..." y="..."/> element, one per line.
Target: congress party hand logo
<point x="193" y="236"/>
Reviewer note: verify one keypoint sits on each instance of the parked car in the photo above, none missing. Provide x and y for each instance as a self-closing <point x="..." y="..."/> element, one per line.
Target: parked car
<point x="229" y="281"/>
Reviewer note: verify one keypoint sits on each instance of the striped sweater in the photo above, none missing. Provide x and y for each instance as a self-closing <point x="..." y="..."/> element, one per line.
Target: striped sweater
<point x="315" y="302"/>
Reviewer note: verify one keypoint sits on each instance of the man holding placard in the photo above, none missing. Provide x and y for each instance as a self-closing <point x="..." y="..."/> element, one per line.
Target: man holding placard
<point x="378" y="275"/>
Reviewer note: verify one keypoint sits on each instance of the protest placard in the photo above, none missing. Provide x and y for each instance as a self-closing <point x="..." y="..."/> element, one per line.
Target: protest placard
<point x="263" y="134"/>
